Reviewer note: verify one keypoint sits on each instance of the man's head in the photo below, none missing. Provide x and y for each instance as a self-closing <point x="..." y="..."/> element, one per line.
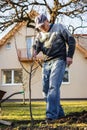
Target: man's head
<point x="42" y="22"/>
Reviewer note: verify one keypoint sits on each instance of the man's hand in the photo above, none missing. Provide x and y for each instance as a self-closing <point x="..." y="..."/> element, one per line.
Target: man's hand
<point x="40" y="56"/>
<point x="69" y="61"/>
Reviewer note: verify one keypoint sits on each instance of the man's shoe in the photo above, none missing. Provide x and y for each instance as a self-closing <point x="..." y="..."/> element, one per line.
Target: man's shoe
<point x="49" y="120"/>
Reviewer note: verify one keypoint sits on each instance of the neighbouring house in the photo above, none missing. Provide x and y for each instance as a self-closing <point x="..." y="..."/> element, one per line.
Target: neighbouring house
<point x="15" y="62"/>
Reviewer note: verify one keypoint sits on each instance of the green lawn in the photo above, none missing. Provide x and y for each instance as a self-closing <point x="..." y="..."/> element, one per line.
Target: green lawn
<point x="19" y="111"/>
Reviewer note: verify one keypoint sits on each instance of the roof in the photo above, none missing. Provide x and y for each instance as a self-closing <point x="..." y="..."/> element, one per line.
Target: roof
<point x="11" y="33"/>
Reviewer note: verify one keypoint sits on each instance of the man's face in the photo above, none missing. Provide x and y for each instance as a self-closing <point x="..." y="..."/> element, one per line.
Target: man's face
<point x="45" y="27"/>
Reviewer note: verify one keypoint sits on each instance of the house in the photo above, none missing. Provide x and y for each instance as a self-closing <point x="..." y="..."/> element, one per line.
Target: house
<point x="16" y="62"/>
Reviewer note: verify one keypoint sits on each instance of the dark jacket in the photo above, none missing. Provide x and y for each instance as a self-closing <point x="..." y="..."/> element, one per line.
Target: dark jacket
<point x="62" y="45"/>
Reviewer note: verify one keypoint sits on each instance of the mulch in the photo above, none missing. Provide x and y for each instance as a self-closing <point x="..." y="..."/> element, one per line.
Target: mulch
<point x="64" y="123"/>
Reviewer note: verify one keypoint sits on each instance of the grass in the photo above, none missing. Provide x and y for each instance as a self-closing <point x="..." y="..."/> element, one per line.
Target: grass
<point x="19" y="111"/>
<point x="74" y="106"/>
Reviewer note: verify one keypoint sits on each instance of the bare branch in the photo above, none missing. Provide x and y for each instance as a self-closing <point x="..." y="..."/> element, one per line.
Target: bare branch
<point x="14" y="11"/>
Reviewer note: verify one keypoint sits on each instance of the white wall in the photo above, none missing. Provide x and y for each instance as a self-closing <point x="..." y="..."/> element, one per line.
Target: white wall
<point x="78" y="78"/>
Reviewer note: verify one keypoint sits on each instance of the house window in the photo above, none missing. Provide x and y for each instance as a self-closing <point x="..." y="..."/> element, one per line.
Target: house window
<point x="66" y="76"/>
<point x="8" y="45"/>
<point x="29" y="41"/>
<point x="11" y="77"/>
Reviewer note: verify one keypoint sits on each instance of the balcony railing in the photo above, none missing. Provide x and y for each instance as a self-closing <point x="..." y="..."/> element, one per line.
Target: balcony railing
<point x="24" y="55"/>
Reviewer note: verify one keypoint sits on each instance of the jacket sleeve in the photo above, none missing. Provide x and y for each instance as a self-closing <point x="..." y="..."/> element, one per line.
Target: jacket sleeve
<point x="69" y="39"/>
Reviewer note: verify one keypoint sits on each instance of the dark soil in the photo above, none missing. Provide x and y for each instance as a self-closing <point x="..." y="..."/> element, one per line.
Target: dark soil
<point x="69" y="122"/>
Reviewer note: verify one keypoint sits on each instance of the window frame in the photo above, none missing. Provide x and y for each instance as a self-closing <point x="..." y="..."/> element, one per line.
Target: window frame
<point x="67" y="69"/>
<point x="31" y="40"/>
<point x="8" y="45"/>
<point x="12" y="78"/>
